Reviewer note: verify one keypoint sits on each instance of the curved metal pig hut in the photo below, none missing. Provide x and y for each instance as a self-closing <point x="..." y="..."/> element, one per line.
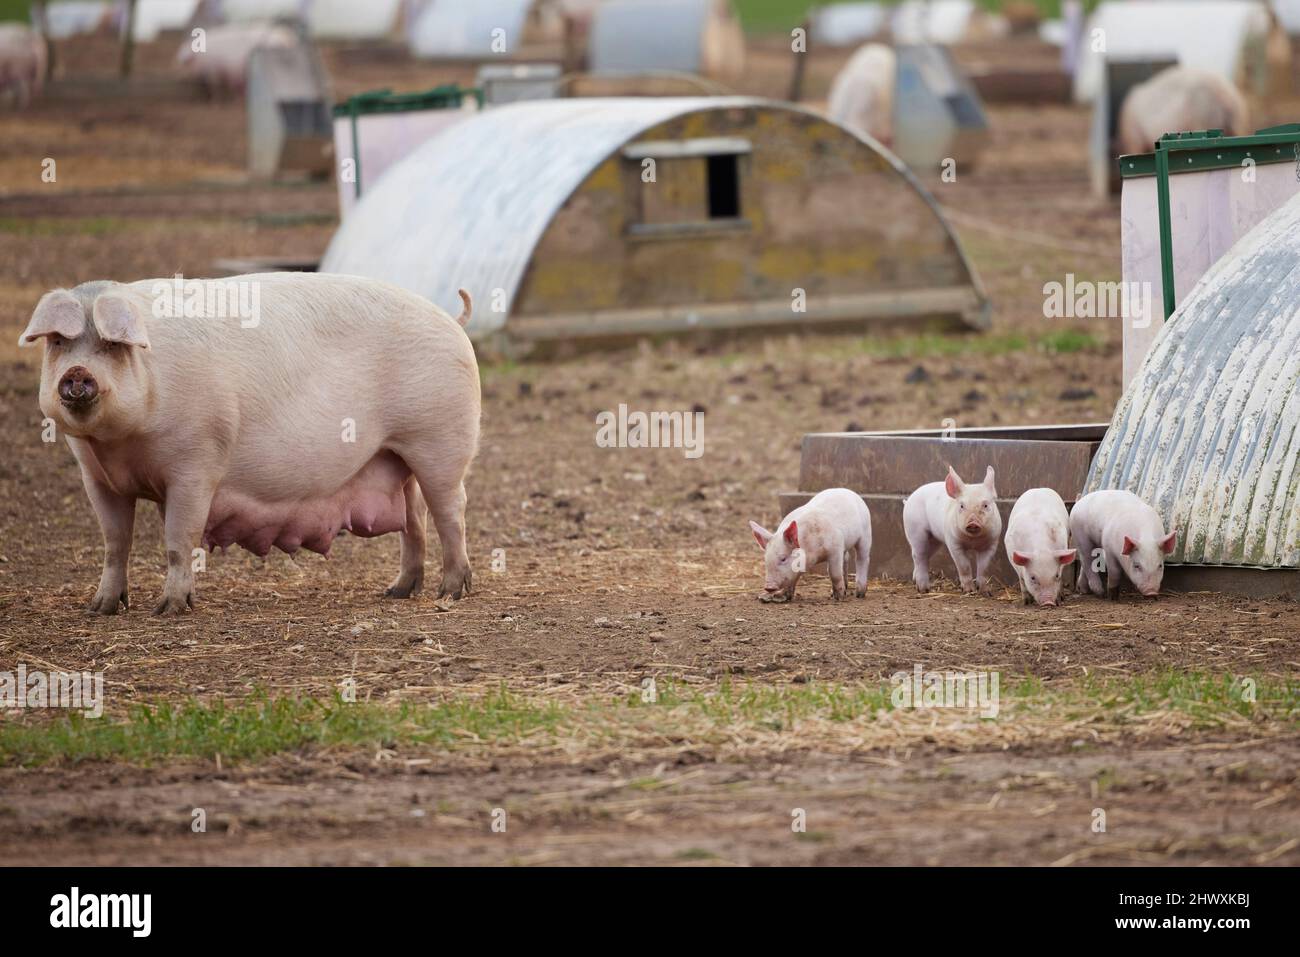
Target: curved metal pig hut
<point x="542" y="211"/>
<point x="1208" y="431"/>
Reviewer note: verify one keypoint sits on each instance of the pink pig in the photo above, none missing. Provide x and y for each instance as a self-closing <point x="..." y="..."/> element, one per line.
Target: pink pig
<point x="1038" y="533"/>
<point x="318" y="409"/>
<point x="833" y="522"/>
<point x="963" y="517"/>
<point x="1129" y="537"/>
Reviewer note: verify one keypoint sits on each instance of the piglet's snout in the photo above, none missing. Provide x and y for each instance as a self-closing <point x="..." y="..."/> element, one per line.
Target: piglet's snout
<point x="78" y="387"/>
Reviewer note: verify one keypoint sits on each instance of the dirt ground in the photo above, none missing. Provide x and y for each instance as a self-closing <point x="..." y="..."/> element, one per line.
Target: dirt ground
<point x="619" y="564"/>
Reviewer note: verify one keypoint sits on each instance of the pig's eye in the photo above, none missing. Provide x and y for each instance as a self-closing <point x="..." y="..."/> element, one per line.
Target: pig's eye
<point x="1034" y="579"/>
<point x="55" y="340"/>
<point x="1137" y="567"/>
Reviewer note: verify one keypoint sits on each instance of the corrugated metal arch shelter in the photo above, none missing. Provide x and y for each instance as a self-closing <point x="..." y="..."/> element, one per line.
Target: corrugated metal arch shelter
<point x="682" y="36"/>
<point x="1209" y="429"/>
<point x="541" y="211"/>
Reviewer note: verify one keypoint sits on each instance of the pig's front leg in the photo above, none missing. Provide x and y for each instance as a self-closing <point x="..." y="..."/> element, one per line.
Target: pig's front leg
<point x="1114" y="576"/>
<point x="965" y="569"/>
<point x="982" y="562"/>
<point x="1089" y="579"/>
<point x="116" y="514"/>
<point x="184" y="515"/>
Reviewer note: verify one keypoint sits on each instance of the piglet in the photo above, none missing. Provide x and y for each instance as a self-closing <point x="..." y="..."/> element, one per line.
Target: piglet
<point x="1132" y="539"/>
<point x="833" y="522"/>
<point x="1038" y="533"/>
<point x="963" y="517"/>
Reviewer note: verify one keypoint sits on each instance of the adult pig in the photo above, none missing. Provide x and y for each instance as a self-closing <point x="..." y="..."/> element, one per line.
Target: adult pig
<point x="271" y="409"/>
<point x="1180" y="98"/>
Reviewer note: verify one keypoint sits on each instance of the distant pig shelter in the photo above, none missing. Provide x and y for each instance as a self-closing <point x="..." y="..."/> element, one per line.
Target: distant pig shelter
<point x="592" y="218"/>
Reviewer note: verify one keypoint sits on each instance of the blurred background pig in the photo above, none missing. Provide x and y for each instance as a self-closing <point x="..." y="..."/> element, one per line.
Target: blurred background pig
<point x="22" y="62"/>
<point x="1180" y="98"/>
<point x="318" y="409"/>
<point x="862" y="95"/>
<point x="222" y="66"/>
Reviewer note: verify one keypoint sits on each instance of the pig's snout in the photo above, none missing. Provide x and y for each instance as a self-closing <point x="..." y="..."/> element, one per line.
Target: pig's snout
<point x="78" y="387"/>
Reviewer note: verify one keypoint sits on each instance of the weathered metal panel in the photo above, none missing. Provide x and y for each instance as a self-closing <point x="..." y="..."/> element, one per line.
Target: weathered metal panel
<point x="469" y="207"/>
<point x="1208" y="431"/>
<point x="898" y="465"/>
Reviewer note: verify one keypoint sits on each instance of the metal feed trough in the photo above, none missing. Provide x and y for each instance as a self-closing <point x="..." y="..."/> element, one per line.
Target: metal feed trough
<point x="886" y="467"/>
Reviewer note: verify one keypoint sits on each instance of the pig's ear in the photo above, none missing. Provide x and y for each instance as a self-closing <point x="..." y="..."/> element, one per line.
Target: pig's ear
<point x="1168" y="542"/>
<point x="1129" y="545"/>
<point x="761" y="535"/>
<point x="58" y="313"/>
<point x="119" y="319"/>
<point x="988" y="481"/>
<point x="953" y="484"/>
<point x="1067" y="556"/>
<point x="792" y="534"/>
<point x="1019" y="558"/>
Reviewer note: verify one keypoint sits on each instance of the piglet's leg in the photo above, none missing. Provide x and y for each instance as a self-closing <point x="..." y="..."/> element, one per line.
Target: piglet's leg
<point x="965" y="569"/>
<point x="185" y="514"/>
<point x="982" y="562"/>
<point x="116" y="514"/>
<point x="835" y="563"/>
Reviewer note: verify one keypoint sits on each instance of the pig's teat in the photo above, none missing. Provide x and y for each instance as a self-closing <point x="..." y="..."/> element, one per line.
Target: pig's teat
<point x="78" y="387"/>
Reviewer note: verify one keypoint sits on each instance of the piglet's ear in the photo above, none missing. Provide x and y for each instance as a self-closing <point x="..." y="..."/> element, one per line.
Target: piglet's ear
<point x="1067" y="556"/>
<point x="58" y="313"/>
<point x="1129" y="545"/>
<point x="988" y="482"/>
<point x="953" y="484"/>
<point x="120" y="319"/>
<point x="1168" y="542"/>
<point x="1019" y="558"/>
<point x="761" y="535"/>
<point x="792" y="534"/>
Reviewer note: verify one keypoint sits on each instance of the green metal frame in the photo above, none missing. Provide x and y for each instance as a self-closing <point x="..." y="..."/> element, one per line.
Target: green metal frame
<point x="1198" y="151"/>
<point x="447" y="97"/>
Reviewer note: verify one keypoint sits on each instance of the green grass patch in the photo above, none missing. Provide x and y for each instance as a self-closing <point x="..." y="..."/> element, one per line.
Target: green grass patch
<point x="261" y="725"/>
<point x="939" y="345"/>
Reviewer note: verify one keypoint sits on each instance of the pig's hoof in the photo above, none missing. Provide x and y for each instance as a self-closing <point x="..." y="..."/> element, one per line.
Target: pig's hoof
<point x="455" y="584"/>
<point x="407" y="584"/>
<point x="174" y="604"/>
<point x="103" y="604"/>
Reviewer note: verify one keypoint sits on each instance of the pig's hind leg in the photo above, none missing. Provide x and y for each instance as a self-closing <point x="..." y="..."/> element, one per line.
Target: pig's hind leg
<point x="861" y="565"/>
<point x="410" y="578"/>
<point x="442" y="482"/>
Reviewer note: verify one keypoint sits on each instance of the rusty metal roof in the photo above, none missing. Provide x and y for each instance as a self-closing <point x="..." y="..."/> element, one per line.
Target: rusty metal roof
<point x="467" y="207"/>
<point x="1208" y="431"/>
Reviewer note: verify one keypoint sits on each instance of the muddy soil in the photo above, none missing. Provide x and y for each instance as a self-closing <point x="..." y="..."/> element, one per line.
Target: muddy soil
<point x="618" y="564"/>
